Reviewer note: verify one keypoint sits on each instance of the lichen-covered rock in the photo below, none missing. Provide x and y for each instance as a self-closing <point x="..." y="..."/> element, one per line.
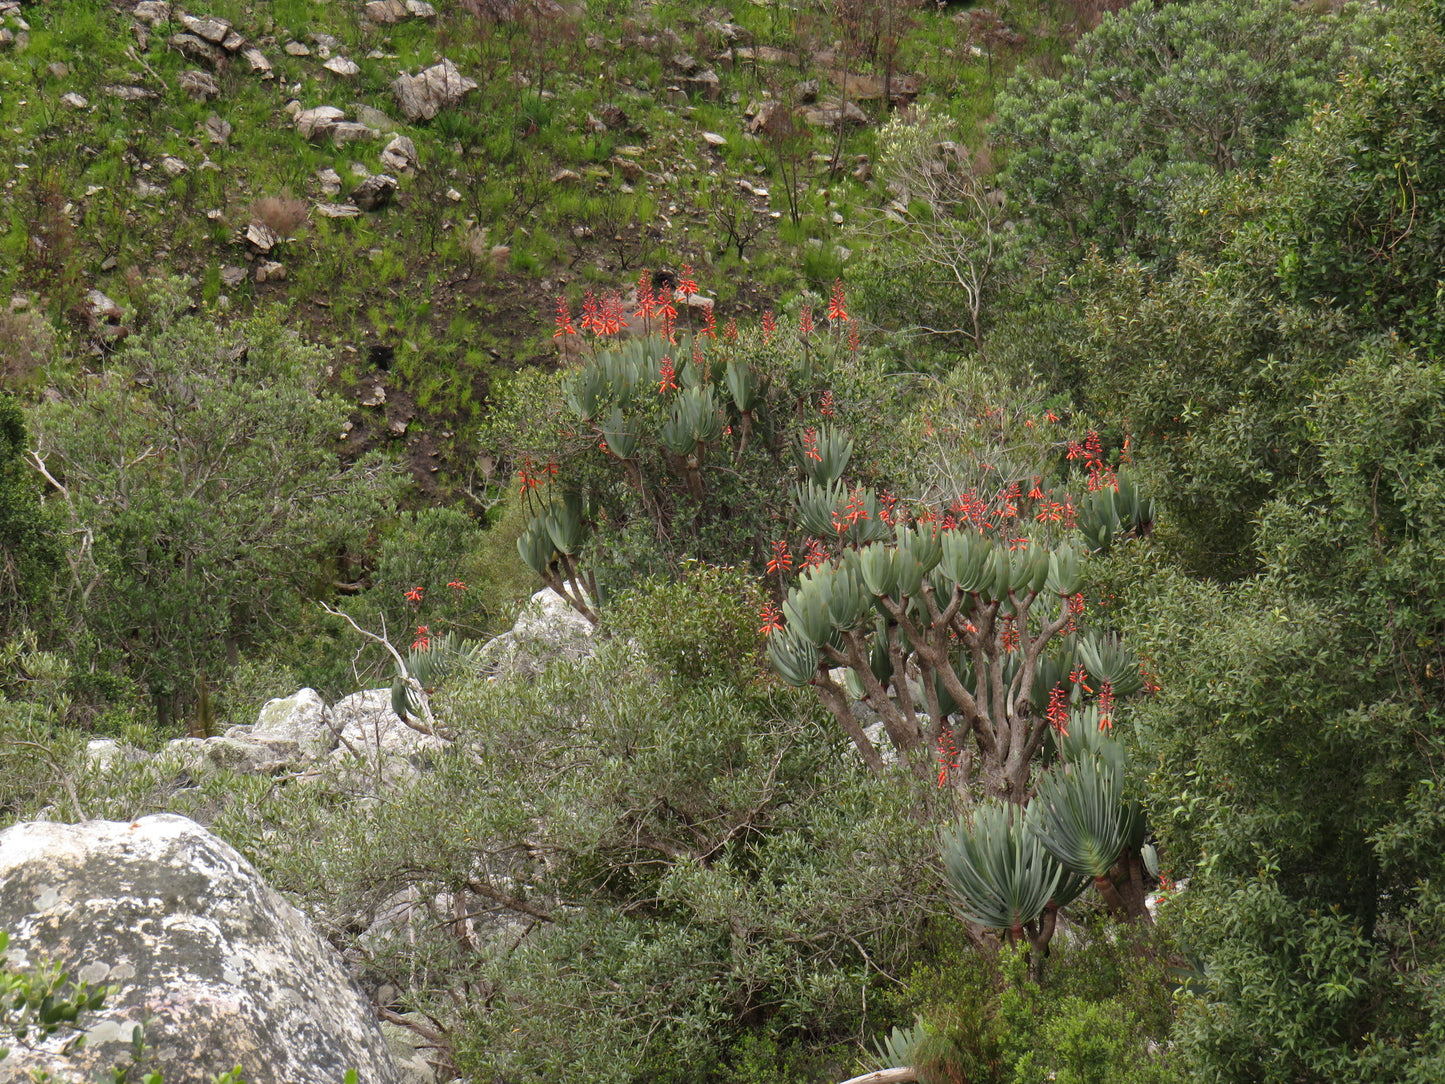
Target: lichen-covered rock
<point x="370" y="725"/>
<point x="547" y="629"/>
<point x="300" y="723"/>
<point x="226" y="970"/>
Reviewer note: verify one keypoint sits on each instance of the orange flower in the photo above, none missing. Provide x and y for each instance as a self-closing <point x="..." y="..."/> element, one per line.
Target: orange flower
<point x="837" y="304"/>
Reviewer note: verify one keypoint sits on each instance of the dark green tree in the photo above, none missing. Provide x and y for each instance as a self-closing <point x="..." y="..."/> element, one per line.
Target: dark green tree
<point x="198" y="475"/>
<point x="30" y="551"/>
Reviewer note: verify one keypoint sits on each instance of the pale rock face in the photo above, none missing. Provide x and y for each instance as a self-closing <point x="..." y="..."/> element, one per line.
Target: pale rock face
<point x="547" y="629"/>
<point x="184" y="927"/>
<point x="294" y="724"/>
<point x="369" y="724"/>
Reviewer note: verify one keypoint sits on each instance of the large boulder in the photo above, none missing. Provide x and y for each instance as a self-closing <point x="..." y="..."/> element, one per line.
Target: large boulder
<point x="227" y="972"/>
<point x="547" y="629"/>
<point x="370" y="726"/>
<point x="424" y="95"/>
<point x="298" y="724"/>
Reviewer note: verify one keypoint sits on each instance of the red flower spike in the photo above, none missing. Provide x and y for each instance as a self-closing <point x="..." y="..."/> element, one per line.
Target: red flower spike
<point x="1079" y="676"/>
<point x="805" y="322"/>
<point x="730" y="333"/>
<point x="564" y="319"/>
<point x="837" y="304"/>
<point x="814" y="554"/>
<point x="685" y="285"/>
<point x="1058" y="712"/>
<point x="668" y="383"/>
<point x="772" y="620"/>
<point x="782" y="559"/>
<point x="457" y="585"/>
<point x="770" y="325"/>
<point x="414" y="596"/>
<point x="853" y="338"/>
<point x="422" y="641"/>
<point x="827" y="405"/>
<point x="645" y="299"/>
<point x="1106" y="706"/>
<point x="710" y="327"/>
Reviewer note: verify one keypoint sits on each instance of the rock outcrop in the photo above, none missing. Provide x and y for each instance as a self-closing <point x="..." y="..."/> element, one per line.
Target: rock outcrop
<point x="227" y="972"/>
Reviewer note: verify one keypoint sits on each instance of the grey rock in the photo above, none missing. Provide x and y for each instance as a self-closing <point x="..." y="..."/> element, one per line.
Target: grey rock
<point x="373" y="118"/>
<point x="129" y="94"/>
<point x="202" y="756"/>
<point x="153" y="12"/>
<point x="74" y="100"/>
<point x="296" y="48"/>
<point x="330" y="181"/>
<point x="828" y="114"/>
<point x="227" y="971"/>
<point x="547" y="629"/>
<point x="262" y="236"/>
<point x="173" y="166"/>
<point x="338" y="210"/>
<point x="231" y="277"/>
<point x="374" y="192"/>
<point x="258" y="62"/>
<point x="217" y="129"/>
<point x="199" y="86"/>
<point x="343" y="66"/>
<point x="212" y="30"/>
<point x="420" y="9"/>
<point x="368" y="725"/>
<point x="349" y="131"/>
<point x="198" y="48"/>
<point x="271" y="271"/>
<point x="384" y="12"/>
<point x="431" y="90"/>
<point x="301" y="722"/>
<point x="399" y="154"/>
<point x="317" y="122"/>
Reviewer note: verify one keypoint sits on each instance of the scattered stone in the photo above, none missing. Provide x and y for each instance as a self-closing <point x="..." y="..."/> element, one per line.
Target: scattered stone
<point x="770" y="117"/>
<point x="338" y="210"/>
<point x="57" y="69"/>
<point x="807" y="91"/>
<point x="373" y="118"/>
<point x="330" y="181"/>
<point x="629" y="169"/>
<point x="375" y="397"/>
<point x="153" y="12"/>
<point x="765" y="54"/>
<point x="19" y="302"/>
<point x="295" y="48"/>
<point x="454" y="195"/>
<point x="374" y="192"/>
<point x="706" y="84"/>
<point x="343" y="66"/>
<point x="211" y="29"/>
<point x="233" y="42"/>
<point x="349" y="131"/>
<point x="262" y="237"/>
<point x="832" y="113"/>
<point x="318" y="122"/>
<point x="753" y="189"/>
<point x="242" y="975"/>
<point x="74" y="100"/>
<point x="110" y="263"/>
<point x="384" y="12"/>
<point x="564" y="175"/>
<point x="173" y="166"/>
<point x="712" y="139"/>
<point x="423" y="95"/>
<point x="298" y="725"/>
<point x="259" y="63"/>
<point x="399" y="154"/>
<point x="104" y="316"/>
<point x="198" y="48"/>
<point x="684" y="63"/>
<point x="327" y="42"/>
<point x="129" y="94"/>
<point x="198" y="85"/>
<point x="420" y="9"/>
<point x="231" y="277"/>
<point x="270" y="271"/>
<point x="217" y="130"/>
